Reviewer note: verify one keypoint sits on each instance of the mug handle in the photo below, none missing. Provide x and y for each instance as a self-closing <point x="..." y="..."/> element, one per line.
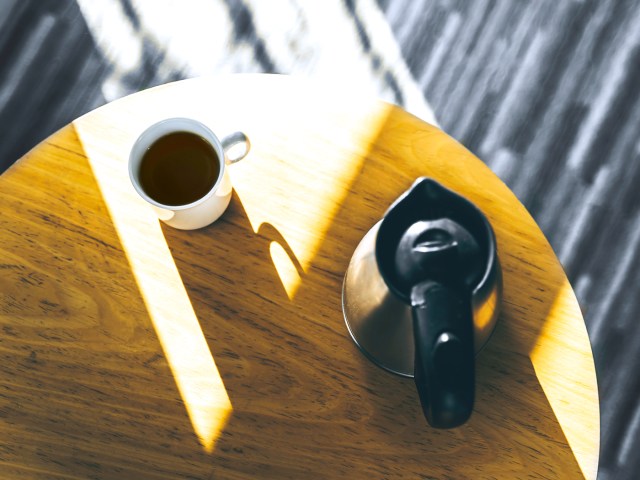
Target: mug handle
<point x="231" y="154"/>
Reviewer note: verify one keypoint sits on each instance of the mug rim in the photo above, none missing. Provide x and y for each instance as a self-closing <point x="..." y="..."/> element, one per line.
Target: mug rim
<point x="153" y="133"/>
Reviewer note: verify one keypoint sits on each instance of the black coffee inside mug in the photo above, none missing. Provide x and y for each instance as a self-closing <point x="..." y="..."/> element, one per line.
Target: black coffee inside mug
<point x="179" y="168"/>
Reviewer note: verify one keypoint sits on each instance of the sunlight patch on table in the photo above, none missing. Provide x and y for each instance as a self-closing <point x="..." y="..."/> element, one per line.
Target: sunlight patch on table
<point x="287" y="271"/>
<point x="305" y="184"/>
<point x="164" y="294"/>
<point x="552" y="359"/>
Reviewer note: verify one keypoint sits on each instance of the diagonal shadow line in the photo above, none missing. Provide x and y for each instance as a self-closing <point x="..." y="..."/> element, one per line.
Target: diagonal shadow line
<point x="244" y="30"/>
<point x="375" y="59"/>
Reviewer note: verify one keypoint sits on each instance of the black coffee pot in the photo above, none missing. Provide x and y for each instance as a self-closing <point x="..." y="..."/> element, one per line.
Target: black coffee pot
<point x="422" y="293"/>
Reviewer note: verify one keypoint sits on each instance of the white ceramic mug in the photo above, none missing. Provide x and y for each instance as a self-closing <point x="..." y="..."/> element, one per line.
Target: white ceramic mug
<point x="208" y="208"/>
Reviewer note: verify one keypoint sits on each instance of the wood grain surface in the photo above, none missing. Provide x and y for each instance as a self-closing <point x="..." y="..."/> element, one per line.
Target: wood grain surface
<point x="132" y="350"/>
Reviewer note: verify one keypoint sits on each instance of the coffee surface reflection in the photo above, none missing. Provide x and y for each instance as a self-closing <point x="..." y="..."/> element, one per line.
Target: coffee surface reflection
<point x="179" y="168"/>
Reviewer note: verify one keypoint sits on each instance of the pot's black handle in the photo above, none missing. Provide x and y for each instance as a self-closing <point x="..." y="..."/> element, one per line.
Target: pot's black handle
<point x="444" y="353"/>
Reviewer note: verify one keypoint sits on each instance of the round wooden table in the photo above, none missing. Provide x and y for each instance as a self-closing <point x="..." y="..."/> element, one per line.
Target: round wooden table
<point x="133" y="350"/>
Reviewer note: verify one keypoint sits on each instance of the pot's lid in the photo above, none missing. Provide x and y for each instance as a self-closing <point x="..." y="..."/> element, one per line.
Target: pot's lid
<point x="432" y="233"/>
<point x="439" y="250"/>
